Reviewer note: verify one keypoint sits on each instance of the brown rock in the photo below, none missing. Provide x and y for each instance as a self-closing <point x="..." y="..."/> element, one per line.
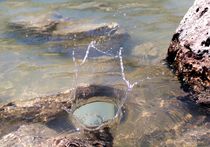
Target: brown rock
<point x="189" y="50"/>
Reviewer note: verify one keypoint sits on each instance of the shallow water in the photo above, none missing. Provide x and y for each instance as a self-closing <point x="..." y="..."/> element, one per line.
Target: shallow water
<point x="96" y="113"/>
<point x="31" y="68"/>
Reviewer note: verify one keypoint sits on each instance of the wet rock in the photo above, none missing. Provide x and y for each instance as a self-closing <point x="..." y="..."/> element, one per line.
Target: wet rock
<point x="56" y="27"/>
<point x="204" y="98"/>
<point x="147" y="53"/>
<point x="62" y="35"/>
<point x="47" y="110"/>
<point x="146" y="49"/>
<point x="194" y="137"/>
<point x="81" y="30"/>
<point x="184" y="134"/>
<point x="41" y="109"/>
<point x="99" y="138"/>
<point x="38" y="135"/>
<point x="43" y="24"/>
<point x="189" y="50"/>
<point x="28" y="135"/>
<point x="104" y="45"/>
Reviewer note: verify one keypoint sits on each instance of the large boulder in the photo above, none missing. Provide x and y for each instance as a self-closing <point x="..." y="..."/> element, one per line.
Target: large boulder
<point x="189" y="50"/>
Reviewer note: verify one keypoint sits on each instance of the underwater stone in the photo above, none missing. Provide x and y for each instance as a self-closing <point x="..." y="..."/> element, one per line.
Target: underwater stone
<point x="34" y="24"/>
<point x="61" y="28"/>
<point x="189" y="50"/>
<point x="40" y="109"/>
<point x="39" y="135"/>
<point x="24" y="116"/>
<point x="28" y="135"/>
<point x="81" y="30"/>
<point x="103" y="45"/>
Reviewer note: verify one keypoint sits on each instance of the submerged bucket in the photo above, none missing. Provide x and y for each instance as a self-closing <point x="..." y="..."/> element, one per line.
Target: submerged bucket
<point x="97" y="107"/>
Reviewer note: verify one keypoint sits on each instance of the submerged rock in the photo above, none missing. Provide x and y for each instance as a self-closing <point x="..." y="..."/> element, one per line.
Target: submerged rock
<point x="101" y="138"/>
<point x="147" y="53"/>
<point x="42" y="109"/>
<point x="106" y="45"/>
<point x="81" y="30"/>
<point x="46" y="110"/>
<point x="28" y="135"/>
<point x="196" y="137"/>
<point x="34" y="24"/>
<point x="62" y="35"/>
<point x="38" y="135"/>
<point x="189" y="50"/>
<point x="59" y="28"/>
<point x="191" y="130"/>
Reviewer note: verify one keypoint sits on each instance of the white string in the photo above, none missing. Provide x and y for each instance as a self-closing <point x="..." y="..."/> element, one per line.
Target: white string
<point x="129" y="85"/>
<point x="91" y="45"/>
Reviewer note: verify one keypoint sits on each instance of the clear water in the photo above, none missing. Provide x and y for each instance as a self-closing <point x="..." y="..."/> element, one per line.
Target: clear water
<point x="31" y="69"/>
<point x="95" y="114"/>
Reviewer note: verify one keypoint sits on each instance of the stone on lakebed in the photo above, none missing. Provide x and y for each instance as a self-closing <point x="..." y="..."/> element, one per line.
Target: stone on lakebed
<point x="61" y="28"/>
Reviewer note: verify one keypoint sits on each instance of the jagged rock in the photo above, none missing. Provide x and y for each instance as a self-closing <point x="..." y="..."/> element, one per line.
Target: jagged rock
<point x="189" y="50"/>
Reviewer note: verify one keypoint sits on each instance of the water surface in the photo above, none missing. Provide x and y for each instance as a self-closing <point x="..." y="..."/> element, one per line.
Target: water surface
<point x="31" y="68"/>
